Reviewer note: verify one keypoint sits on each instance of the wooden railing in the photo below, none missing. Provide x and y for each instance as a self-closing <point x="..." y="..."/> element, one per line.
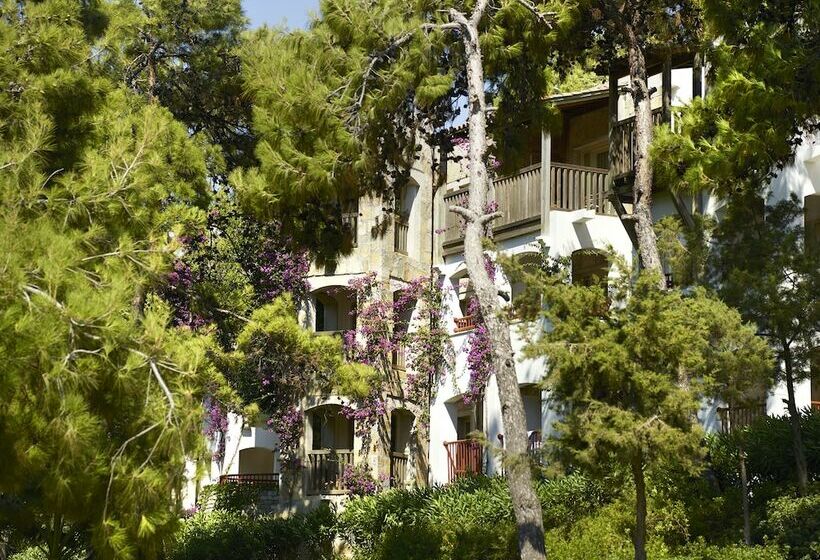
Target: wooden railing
<point x="256" y="479"/>
<point x="402" y="230"/>
<point x="575" y="187"/>
<point x="622" y="144"/>
<point x="534" y="445"/>
<point x="815" y="405"/>
<point x="464" y="457"/>
<point x="398" y="469"/>
<point x="736" y="417"/>
<point x="518" y="196"/>
<point x="324" y="471"/>
<point x="465" y="323"/>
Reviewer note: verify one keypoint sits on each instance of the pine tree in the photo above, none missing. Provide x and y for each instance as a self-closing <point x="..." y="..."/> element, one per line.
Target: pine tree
<point x="339" y="110"/>
<point x="760" y="264"/>
<point x="101" y="400"/>
<point x="185" y="56"/>
<point x="762" y="98"/>
<point x="628" y="377"/>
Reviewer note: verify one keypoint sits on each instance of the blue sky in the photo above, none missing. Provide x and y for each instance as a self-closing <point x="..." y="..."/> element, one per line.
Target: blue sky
<point x="275" y="12"/>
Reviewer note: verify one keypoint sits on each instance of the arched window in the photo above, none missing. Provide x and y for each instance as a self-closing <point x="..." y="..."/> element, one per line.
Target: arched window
<point x="256" y="460"/>
<point x="334" y="309"/>
<point x="589" y="267"/>
<point x="405" y="218"/>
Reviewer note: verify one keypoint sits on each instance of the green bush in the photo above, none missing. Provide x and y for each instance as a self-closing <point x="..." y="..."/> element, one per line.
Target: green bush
<point x="769" y="451"/>
<point x="224" y="535"/>
<point x="794" y="524"/>
<point x="470" y="514"/>
<point x="238" y="498"/>
<point x="702" y="551"/>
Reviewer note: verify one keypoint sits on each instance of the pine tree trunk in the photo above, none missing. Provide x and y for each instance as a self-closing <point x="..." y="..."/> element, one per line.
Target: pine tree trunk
<point x="642" y="182"/>
<point x="794" y="422"/>
<point x="526" y="505"/>
<point x="639" y="535"/>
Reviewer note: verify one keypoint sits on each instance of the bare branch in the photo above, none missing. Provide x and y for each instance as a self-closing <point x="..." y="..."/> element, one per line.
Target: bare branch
<point x="465" y="213"/>
<point x="545" y="18"/>
<point x="487" y="218"/>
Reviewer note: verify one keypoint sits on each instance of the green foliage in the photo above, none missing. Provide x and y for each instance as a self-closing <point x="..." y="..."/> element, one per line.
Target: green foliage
<point x="685" y="250"/>
<point x="769" y="450"/>
<point x="794" y="524"/>
<point x="458" y="513"/>
<point x="235" y="498"/>
<point x="221" y="535"/>
<point x="276" y="361"/>
<point x="763" y="97"/>
<point x="759" y="265"/>
<point x="102" y="401"/>
<point x="185" y="56"/>
<point x="629" y="376"/>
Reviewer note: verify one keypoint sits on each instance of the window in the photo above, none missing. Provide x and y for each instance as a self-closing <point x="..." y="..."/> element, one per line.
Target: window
<point x="589" y="267"/>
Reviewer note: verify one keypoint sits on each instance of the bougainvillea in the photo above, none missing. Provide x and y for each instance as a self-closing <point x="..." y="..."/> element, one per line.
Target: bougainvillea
<point x="479" y="356"/>
<point x="384" y="331"/>
<point x="429" y="350"/>
<point x="233" y="267"/>
<point x="216" y="427"/>
<point x="222" y="276"/>
<point x="359" y="481"/>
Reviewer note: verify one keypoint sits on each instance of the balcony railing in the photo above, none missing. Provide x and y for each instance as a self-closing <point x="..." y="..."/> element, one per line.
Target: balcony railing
<point x="815" y="405"/>
<point x="737" y="417"/>
<point x="622" y="144"/>
<point x="256" y="479"/>
<point x="402" y="230"/>
<point x="324" y="470"/>
<point x="467" y="323"/>
<point x="398" y="469"/>
<point x="464" y="457"/>
<point x="518" y="196"/>
<point x="575" y="187"/>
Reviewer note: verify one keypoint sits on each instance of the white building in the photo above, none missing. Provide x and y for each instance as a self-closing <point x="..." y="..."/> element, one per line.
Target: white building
<point x="560" y="200"/>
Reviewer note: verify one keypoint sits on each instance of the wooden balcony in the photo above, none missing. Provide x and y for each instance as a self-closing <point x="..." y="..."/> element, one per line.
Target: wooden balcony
<point x="734" y="418"/>
<point x="464" y="457"/>
<point x="256" y="479"/>
<point x="324" y="470"/>
<point x="398" y="469"/>
<point x="519" y="197"/>
<point x="464" y="324"/>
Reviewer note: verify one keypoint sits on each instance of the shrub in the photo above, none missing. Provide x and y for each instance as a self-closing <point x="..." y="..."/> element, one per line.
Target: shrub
<point x="224" y="535"/>
<point x="702" y="551"/>
<point x="769" y="452"/>
<point x="794" y="523"/>
<point x="471" y="515"/>
<point x="237" y="498"/>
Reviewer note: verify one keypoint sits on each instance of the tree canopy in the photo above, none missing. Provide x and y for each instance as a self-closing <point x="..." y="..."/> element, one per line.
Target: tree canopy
<point x="102" y="401"/>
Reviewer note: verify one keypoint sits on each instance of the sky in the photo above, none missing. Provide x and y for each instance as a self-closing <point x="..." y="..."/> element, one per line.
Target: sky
<point x="275" y="12"/>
